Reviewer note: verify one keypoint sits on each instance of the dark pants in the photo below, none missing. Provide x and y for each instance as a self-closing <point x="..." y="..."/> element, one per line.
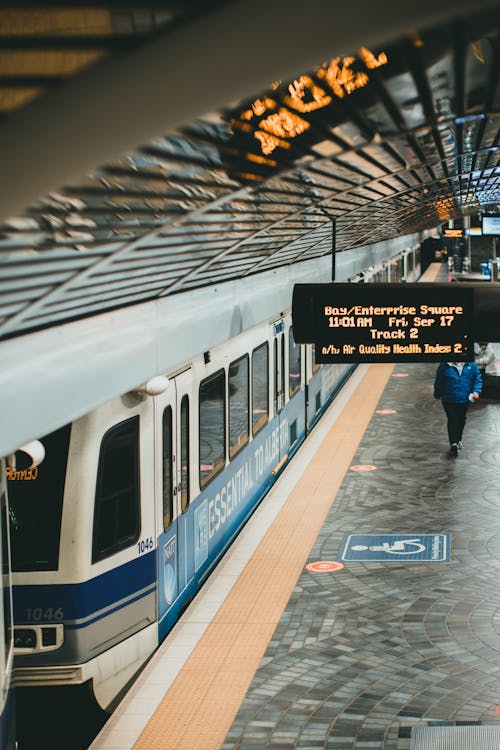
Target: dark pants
<point x="457" y="414"/>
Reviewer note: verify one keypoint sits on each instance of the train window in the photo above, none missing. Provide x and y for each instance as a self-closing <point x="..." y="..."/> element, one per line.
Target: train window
<point x="117" y="508"/>
<point x="168" y="474"/>
<point x="260" y="387"/>
<point x="315" y="366"/>
<point x="238" y="405"/>
<point x="36" y="500"/>
<point x="184" y="453"/>
<point x="318" y="402"/>
<point x="212" y="426"/>
<point x="294" y="351"/>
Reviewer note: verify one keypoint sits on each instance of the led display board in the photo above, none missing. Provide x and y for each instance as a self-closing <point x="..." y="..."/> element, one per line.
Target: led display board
<point x="453" y="233"/>
<point x="491" y="224"/>
<point x="385" y="322"/>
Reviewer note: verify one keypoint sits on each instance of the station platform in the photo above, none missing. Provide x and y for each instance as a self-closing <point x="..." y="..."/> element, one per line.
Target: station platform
<point x="393" y="651"/>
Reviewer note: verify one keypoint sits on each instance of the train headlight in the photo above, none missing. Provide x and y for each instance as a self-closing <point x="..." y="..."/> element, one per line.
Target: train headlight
<point x="24" y="638"/>
<point x="38" y="639"/>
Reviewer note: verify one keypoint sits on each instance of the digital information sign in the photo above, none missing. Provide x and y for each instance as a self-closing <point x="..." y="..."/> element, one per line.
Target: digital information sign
<point x="385" y="322"/>
<point x="491" y="225"/>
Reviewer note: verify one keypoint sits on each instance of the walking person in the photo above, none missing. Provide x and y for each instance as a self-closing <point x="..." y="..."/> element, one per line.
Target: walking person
<point x="457" y="384"/>
<point x="485" y="358"/>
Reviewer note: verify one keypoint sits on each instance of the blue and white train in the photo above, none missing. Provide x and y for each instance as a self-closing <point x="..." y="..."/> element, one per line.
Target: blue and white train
<point x="135" y="503"/>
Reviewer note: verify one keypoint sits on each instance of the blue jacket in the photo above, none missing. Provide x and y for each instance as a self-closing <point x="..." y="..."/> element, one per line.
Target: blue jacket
<point x="453" y="388"/>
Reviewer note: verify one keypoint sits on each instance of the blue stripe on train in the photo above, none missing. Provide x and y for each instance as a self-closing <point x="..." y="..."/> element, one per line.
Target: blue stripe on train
<point x="146" y="592"/>
<point x="75" y="601"/>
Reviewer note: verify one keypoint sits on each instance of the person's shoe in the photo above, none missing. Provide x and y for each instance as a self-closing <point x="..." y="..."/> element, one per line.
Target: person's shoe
<point x="460" y="446"/>
<point x="454" y="449"/>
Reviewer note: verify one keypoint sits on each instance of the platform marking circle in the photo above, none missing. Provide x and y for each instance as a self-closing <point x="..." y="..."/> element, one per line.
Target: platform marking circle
<point x="324" y="566"/>
<point x="399" y="375"/>
<point x="385" y="411"/>
<point x="363" y="467"/>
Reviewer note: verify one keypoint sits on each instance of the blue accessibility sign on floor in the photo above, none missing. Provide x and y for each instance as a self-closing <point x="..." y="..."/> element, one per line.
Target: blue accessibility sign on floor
<point x="395" y="547"/>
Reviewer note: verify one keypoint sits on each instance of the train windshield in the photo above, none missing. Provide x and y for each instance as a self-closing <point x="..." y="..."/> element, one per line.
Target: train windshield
<point x="35" y="500"/>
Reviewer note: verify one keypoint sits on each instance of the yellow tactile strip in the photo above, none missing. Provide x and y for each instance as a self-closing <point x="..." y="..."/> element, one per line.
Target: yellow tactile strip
<point x="198" y="710"/>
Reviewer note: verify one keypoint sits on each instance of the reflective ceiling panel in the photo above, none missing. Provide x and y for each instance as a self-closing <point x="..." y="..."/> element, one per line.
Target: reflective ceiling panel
<point x="380" y="143"/>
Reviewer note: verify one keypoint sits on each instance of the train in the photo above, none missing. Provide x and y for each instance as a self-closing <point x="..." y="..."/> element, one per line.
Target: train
<point x="136" y="502"/>
<point x="7" y="720"/>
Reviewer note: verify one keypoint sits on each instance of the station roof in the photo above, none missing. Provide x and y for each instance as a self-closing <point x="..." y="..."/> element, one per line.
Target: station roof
<point x="362" y="134"/>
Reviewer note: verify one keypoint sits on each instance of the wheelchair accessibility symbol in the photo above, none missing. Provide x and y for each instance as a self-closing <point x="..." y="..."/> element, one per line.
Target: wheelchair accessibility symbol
<point x="409" y="547"/>
<point x="401" y="547"/>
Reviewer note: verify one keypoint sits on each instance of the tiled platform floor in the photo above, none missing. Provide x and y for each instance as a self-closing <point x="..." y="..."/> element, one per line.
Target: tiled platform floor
<point x="361" y="655"/>
<point x="186" y="698"/>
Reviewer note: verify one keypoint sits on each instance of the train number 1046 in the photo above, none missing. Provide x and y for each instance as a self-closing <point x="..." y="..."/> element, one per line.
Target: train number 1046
<point x="38" y="614"/>
<point x="145" y="545"/>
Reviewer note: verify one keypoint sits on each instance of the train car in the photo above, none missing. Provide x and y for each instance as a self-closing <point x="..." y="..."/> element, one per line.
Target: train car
<point x="401" y="267"/>
<point x="138" y="500"/>
<point x="25" y="459"/>
<point x="405" y="267"/>
<point x="412" y="264"/>
<point x="7" y="717"/>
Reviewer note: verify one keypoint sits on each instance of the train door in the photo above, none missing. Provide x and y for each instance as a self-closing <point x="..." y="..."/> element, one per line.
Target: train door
<point x="172" y="416"/>
<point x="123" y="539"/>
<point x="296" y="409"/>
<point x="279" y="366"/>
<point x="281" y="433"/>
<point x="314" y="387"/>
